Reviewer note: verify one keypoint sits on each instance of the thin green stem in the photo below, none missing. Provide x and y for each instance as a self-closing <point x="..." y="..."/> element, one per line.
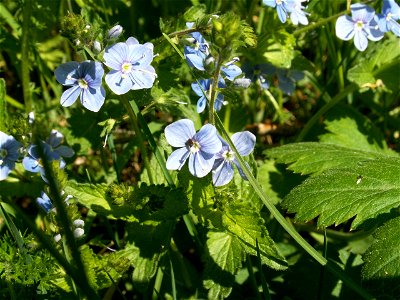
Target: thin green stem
<point x="132" y="115"/>
<point x="317" y="24"/>
<point x="214" y="87"/>
<point x="65" y="222"/>
<point x="157" y="284"/>
<point x="26" y="21"/>
<point x="110" y="141"/>
<point x="331" y="266"/>
<point x="3" y="107"/>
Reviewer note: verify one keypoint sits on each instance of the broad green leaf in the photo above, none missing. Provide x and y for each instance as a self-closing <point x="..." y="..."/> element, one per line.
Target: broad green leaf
<point x="281" y="52"/>
<point x="147" y="243"/>
<point x="153" y="202"/>
<point x="355" y="132"/>
<point x="313" y="157"/>
<point x="368" y="70"/>
<point x="362" y="74"/>
<point x="364" y="191"/>
<point x="248" y="227"/>
<point x="225" y="256"/>
<point x="382" y="259"/>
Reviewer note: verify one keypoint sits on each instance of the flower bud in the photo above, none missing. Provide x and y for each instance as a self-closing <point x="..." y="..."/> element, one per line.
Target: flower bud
<point x="78" y="232"/>
<point x="57" y="238"/>
<point x="79" y="223"/>
<point x="96" y="47"/>
<point x="114" y="32"/>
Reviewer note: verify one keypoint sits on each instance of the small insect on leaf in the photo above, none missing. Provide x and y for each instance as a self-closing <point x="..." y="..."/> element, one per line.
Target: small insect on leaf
<point x="359" y="178"/>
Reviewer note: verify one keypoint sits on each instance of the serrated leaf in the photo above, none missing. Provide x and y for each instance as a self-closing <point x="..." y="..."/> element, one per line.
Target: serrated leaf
<point x="355" y="132"/>
<point x="313" y="157"/>
<point x="225" y="258"/>
<point x="365" y="191"/>
<point x="147" y="243"/>
<point x="382" y="259"/>
<point x="248" y="227"/>
<point x="281" y="52"/>
<point x="361" y="74"/>
<point x="93" y="196"/>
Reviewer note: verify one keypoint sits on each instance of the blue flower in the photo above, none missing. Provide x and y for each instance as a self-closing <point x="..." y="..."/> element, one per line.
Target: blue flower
<point x="292" y="7"/>
<point x="44" y="202"/>
<point x="114" y="32"/>
<point x="196" y="56"/>
<point x="387" y="20"/>
<point x="280" y="6"/>
<point x="85" y="80"/>
<point x="230" y="71"/>
<point x="8" y="154"/>
<point x="361" y="26"/>
<point x="295" y="9"/>
<point x="51" y="150"/>
<point x="130" y="64"/>
<point x="225" y="159"/>
<point x="203" y="88"/>
<point x="200" y="147"/>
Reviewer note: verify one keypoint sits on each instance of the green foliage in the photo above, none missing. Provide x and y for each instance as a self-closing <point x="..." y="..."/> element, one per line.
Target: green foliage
<point x="381" y="271"/>
<point x="33" y="271"/>
<point x="366" y="191"/>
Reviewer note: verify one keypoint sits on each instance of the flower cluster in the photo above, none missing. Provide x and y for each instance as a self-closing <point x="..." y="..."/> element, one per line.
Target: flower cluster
<point x="198" y="56"/>
<point x="206" y="150"/>
<point x="9" y="147"/>
<point x="52" y="150"/>
<point x="130" y="70"/>
<point x="289" y="8"/>
<point x="364" y="24"/>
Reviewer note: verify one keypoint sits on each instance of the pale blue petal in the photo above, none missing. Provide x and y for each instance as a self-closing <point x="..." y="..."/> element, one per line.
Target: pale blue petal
<point x="281" y="13"/>
<point x="219" y="101"/>
<point x="202" y="85"/>
<point x="200" y="164"/>
<point x="69" y="96"/>
<point x="236" y="162"/>
<point x="360" y="40"/>
<point x="115" y="56"/>
<point x="179" y="132"/>
<point x="208" y="139"/>
<point x="55" y="138"/>
<point x="382" y="23"/>
<point x="5" y="169"/>
<point x="362" y="12"/>
<point x="244" y="142"/>
<point x="177" y="159"/>
<point x="394" y="27"/>
<point x="94" y="77"/>
<point x="132" y="41"/>
<point x="65" y="71"/>
<point x="118" y="84"/>
<point x="231" y="71"/>
<point x="142" y="79"/>
<point x="344" y="28"/>
<point x="271" y="3"/>
<point x="44" y="202"/>
<point x="201" y="104"/>
<point x="30" y="164"/>
<point x="93" y="99"/>
<point x="65" y="151"/>
<point x="223" y="174"/>
<point x="140" y="56"/>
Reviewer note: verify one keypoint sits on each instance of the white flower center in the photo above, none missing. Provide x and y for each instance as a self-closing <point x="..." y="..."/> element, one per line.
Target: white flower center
<point x="126" y="68"/>
<point x="193" y="146"/>
<point x="389" y="16"/>
<point x="359" y="25"/>
<point x="83" y="84"/>
<point x="1" y="162"/>
<point x="228" y="155"/>
<point x="279" y="2"/>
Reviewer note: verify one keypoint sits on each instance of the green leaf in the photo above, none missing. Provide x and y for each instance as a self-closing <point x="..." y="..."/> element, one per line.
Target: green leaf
<point x="381" y="270"/>
<point x="147" y="244"/>
<point x="355" y="132"/>
<point x="3" y="111"/>
<point x="248" y="226"/>
<point x="365" y="191"/>
<point x="313" y="157"/>
<point x="281" y="51"/>
<point x="225" y="256"/>
<point x="361" y="74"/>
